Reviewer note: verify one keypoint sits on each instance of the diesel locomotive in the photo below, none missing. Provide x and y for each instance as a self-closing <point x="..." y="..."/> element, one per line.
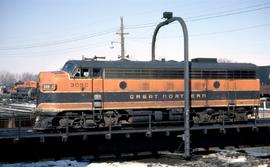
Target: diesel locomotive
<point x="95" y="93"/>
<point x="24" y="90"/>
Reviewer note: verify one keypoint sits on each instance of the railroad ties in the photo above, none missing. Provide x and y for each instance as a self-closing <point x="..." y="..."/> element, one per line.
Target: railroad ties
<point x="18" y="133"/>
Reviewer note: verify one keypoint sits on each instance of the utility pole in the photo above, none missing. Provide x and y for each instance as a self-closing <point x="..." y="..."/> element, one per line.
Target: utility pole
<point x="122" y="33"/>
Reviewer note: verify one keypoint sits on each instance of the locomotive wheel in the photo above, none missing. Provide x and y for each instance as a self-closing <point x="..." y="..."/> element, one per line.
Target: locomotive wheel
<point x="65" y="122"/>
<point x="111" y="118"/>
<point x="201" y="117"/>
<point x="241" y="117"/>
<point x="84" y="121"/>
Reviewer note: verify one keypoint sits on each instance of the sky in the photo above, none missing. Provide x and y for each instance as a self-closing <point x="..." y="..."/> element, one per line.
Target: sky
<point x="42" y="35"/>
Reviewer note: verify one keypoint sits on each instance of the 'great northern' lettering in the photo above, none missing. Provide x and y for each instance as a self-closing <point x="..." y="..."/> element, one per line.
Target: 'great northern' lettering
<point x="165" y="96"/>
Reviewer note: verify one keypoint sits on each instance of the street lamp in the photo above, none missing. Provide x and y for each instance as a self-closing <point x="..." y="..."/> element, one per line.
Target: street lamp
<point x="112" y="42"/>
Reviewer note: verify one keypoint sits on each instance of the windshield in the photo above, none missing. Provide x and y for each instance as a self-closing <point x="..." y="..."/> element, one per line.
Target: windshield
<point x="68" y="68"/>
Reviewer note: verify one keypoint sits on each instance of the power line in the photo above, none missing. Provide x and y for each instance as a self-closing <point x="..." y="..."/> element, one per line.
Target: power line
<point x="139" y="26"/>
<point x="212" y="33"/>
<point x="227" y="11"/>
<point x="208" y="16"/>
<point x="88" y="46"/>
<point x="232" y="30"/>
<point x="60" y="42"/>
<point x="191" y="35"/>
<point x="155" y="23"/>
<point x="228" y="14"/>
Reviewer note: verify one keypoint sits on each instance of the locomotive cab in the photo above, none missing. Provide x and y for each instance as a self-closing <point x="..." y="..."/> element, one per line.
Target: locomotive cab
<point x="67" y="91"/>
<point x="77" y="72"/>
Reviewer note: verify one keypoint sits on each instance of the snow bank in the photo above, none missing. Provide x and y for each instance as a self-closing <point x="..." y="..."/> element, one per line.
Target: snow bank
<point x="128" y="164"/>
<point x="30" y="105"/>
<point x="228" y="157"/>
<point x="69" y="163"/>
<point x="59" y="163"/>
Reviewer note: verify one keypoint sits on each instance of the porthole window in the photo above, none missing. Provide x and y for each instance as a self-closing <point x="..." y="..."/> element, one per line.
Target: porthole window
<point x="216" y="84"/>
<point x="123" y="85"/>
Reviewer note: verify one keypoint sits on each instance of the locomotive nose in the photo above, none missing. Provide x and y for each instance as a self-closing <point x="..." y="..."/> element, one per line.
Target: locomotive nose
<point x="48" y="80"/>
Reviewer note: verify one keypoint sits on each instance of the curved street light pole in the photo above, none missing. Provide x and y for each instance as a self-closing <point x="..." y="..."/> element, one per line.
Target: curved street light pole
<point x="170" y="19"/>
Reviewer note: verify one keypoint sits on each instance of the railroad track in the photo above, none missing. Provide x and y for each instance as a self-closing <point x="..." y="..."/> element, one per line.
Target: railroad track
<point x="15" y="142"/>
<point x="9" y="133"/>
<point x="16" y="114"/>
<point x="7" y="109"/>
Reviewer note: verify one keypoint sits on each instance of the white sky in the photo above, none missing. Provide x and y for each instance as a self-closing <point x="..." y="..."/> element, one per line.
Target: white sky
<point x="42" y="35"/>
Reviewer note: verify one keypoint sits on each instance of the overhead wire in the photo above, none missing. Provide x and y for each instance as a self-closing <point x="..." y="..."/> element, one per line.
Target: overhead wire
<point x="139" y="26"/>
<point x="212" y="33"/>
<point x="88" y="46"/>
<point x="59" y="42"/>
<point x="208" y="16"/>
<point x="228" y="14"/>
<point x="226" y="11"/>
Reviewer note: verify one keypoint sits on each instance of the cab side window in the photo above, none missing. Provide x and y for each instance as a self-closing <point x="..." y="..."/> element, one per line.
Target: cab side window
<point x="82" y="73"/>
<point x="97" y="72"/>
<point x="85" y="73"/>
<point x="78" y="73"/>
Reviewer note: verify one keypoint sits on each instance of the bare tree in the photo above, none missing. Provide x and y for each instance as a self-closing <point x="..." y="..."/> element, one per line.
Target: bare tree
<point x="28" y="76"/>
<point x="7" y="78"/>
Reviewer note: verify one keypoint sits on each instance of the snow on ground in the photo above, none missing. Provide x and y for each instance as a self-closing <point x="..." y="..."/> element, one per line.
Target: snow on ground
<point x="128" y="164"/>
<point x="60" y="163"/>
<point x="6" y="109"/>
<point x="222" y="158"/>
<point x="203" y="162"/>
<point x="240" y="161"/>
<point x="69" y="163"/>
<point x="258" y="151"/>
<point x="30" y="105"/>
<point x="232" y="158"/>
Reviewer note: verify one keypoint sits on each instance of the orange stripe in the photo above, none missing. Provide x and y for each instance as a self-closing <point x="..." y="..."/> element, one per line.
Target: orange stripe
<point x="178" y="85"/>
<point x="57" y="107"/>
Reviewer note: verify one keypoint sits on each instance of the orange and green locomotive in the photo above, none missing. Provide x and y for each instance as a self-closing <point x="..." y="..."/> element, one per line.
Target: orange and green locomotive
<point x="93" y="93"/>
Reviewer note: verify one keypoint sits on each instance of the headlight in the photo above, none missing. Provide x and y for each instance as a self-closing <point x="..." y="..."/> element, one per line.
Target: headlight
<point x="49" y="87"/>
